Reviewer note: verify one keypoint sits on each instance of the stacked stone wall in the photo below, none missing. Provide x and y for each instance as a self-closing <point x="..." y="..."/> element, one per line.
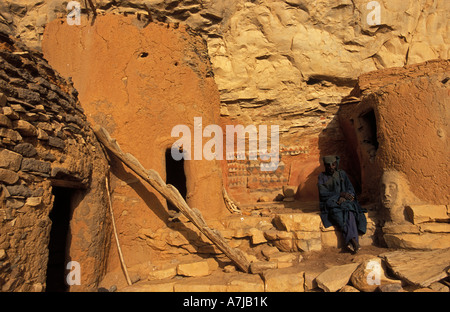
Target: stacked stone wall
<point x="45" y="142"/>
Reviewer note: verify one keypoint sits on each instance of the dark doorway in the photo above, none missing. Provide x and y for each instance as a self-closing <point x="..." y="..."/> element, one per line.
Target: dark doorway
<point x="57" y="257"/>
<point x="369" y="128"/>
<point x="175" y="175"/>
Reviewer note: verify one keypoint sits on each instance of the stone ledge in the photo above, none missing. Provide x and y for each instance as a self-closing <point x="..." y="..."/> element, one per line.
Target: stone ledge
<point x="426" y="213"/>
<point x="421" y="241"/>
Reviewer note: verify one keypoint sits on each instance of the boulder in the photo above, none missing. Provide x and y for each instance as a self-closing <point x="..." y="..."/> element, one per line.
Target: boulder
<point x="370" y="275"/>
<point x="336" y="277"/>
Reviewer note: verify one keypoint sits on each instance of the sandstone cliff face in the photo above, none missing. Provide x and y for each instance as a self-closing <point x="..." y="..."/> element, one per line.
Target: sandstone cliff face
<point x="282" y="59"/>
<point x="298" y="57"/>
<point x="285" y="62"/>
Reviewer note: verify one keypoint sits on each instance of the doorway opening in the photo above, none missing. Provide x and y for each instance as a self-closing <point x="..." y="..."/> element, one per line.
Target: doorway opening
<point x="176" y="176"/>
<point x="369" y="129"/>
<point x="60" y="216"/>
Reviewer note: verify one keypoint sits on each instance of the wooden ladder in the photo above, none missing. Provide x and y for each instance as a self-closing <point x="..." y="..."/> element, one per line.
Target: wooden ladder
<point x="170" y="193"/>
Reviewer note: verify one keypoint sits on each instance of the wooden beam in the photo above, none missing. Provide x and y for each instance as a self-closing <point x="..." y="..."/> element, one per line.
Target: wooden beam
<point x="68" y="184"/>
<point x="170" y="193"/>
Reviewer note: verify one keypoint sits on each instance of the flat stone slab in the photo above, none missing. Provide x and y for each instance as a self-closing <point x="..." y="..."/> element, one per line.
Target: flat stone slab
<point x="420" y="268"/>
<point x="336" y="277"/>
<point x="284" y="280"/>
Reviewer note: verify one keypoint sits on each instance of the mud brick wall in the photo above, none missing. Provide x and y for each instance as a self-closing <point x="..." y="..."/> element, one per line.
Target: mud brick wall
<point x="45" y="142"/>
<point x="409" y="131"/>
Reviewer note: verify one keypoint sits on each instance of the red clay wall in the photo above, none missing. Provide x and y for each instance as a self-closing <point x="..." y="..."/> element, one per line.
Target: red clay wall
<point x="139" y="83"/>
<point x="411" y="109"/>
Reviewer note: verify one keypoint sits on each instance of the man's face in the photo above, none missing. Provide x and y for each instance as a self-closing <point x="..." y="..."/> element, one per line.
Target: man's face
<point x="330" y="168"/>
<point x="389" y="192"/>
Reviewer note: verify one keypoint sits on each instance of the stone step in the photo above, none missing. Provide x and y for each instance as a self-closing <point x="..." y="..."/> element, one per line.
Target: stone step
<point x="273" y="280"/>
<point x="408" y="271"/>
<point x="292" y="226"/>
<point x="285" y="229"/>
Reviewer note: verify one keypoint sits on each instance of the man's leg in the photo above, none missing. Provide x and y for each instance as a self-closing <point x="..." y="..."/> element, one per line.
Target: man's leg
<point x="351" y="232"/>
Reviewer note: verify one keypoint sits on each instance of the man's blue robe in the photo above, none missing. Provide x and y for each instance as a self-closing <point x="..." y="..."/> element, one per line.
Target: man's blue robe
<point x="332" y="213"/>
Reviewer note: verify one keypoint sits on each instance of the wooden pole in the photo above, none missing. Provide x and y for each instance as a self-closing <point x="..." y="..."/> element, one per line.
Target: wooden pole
<point x="94" y="9"/>
<point x="170" y="193"/>
<point x="122" y="261"/>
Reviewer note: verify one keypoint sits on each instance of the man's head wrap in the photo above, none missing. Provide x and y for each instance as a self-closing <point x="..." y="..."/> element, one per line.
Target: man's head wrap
<point x="329" y="159"/>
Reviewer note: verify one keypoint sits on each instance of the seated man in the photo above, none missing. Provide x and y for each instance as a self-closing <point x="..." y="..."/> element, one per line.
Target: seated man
<point x="338" y="204"/>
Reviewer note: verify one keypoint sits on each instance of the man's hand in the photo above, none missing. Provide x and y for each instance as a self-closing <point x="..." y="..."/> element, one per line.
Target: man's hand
<point x="341" y="200"/>
<point x="347" y="196"/>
